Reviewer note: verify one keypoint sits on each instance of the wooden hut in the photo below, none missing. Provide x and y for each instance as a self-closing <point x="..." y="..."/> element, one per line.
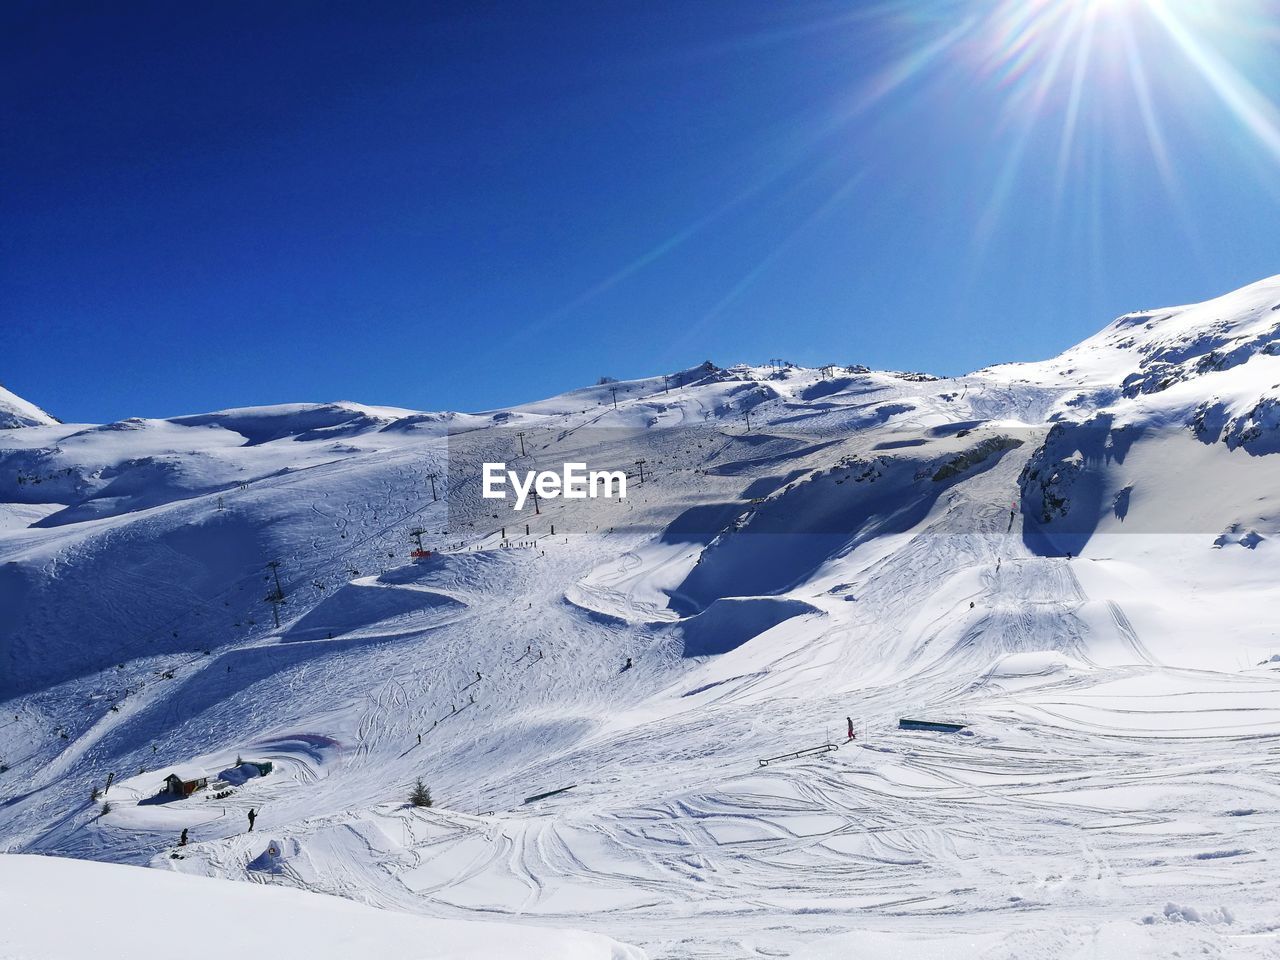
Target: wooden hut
<point x="184" y="781"/>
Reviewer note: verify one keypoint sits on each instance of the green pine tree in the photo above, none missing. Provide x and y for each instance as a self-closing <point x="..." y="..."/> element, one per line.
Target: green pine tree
<point x="420" y="795"/>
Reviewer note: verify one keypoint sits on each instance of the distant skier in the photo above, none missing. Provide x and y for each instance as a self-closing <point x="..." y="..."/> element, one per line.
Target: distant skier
<point x="970" y="604"/>
<point x="419" y="739"/>
<point x="478" y="677"/>
<point x="253" y="815"/>
<point x="627" y="665"/>
<point x="852" y="735"/>
<point x="182" y="840"/>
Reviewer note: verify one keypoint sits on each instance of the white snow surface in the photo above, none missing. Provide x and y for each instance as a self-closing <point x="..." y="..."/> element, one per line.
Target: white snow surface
<point x="1073" y="558"/>
<point x="163" y="915"/>
<point x="16" y="412"/>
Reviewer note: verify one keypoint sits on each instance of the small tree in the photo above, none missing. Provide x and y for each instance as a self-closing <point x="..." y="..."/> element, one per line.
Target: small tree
<point x="420" y="795"/>
<point x="106" y="808"/>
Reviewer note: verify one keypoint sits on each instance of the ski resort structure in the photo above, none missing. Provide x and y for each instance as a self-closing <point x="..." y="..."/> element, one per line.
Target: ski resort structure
<point x="865" y="663"/>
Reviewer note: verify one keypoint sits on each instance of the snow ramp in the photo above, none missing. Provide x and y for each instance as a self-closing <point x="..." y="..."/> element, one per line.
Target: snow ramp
<point x="732" y="621"/>
<point x="368" y="606"/>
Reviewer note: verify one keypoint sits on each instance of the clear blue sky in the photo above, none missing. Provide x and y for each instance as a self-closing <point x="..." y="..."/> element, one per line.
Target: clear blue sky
<point x="465" y="205"/>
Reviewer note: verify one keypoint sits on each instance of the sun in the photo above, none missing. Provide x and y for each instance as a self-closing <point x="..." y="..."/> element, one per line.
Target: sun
<point x="1112" y="74"/>
<point x="1152" y="49"/>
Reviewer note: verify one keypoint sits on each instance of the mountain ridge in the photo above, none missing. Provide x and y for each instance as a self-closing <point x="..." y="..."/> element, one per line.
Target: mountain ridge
<point x="1073" y="564"/>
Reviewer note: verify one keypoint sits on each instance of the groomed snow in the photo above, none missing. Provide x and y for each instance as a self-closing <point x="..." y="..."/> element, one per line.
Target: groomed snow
<point x="59" y="909"/>
<point x="1075" y="559"/>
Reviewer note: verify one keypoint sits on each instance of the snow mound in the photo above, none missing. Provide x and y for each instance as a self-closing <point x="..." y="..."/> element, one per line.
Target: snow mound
<point x="732" y="621"/>
<point x="369" y="606"/>
<point x="204" y="919"/>
<point x="1035" y="663"/>
<point x="274" y="856"/>
<point x="1174" y="913"/>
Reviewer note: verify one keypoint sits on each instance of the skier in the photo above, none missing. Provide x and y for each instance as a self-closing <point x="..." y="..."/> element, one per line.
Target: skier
<point x="628" y="664"/>
<point x="478" y="677"/>
<point x="419" y="739"/>
<point x="970" y="604"/>
<point x="852" y="735"/>
<point x="253" y="815"/>
<point x="182" y="840"/>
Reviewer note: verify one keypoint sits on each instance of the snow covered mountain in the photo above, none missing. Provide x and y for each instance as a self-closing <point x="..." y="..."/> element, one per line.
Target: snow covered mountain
<point x="16" y="412"/>
<point x="1073" y="559"/>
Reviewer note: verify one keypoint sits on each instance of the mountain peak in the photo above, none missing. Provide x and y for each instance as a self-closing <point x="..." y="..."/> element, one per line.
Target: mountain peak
<point x="16" y="412"/>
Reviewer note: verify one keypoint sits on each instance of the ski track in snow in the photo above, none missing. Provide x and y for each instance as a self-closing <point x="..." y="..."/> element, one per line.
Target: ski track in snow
<point x="1115" y="758"/>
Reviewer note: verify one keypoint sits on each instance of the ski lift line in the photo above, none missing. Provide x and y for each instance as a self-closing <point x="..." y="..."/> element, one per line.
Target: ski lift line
<point x="203" y="605"/>
<point x="277" y="480"/>
<point x="304" y="571"/>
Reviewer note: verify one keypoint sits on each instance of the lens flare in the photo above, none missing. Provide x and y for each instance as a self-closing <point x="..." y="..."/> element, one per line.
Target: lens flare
<point x="1079" y="97"/>
<point x="1105" y="55"/>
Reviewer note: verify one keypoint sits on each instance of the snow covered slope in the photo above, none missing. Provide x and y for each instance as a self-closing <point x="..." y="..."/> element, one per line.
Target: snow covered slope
<point x="146" y="915"/>
<point x="16" y="412"/>
<point x="1073" y="558"/>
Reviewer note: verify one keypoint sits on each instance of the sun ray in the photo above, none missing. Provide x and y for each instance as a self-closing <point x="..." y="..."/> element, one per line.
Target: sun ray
<point x="740" y="286"/>
<point x="1146" y="107"/>
<point x="1073" y="87"/>
<point x="1084" y="51"/>
<point x="1253" y="110"/>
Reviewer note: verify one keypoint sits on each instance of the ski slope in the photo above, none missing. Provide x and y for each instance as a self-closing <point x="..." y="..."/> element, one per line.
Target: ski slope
<point x="1073" y="558"/>
<point x="204" y="919"/>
